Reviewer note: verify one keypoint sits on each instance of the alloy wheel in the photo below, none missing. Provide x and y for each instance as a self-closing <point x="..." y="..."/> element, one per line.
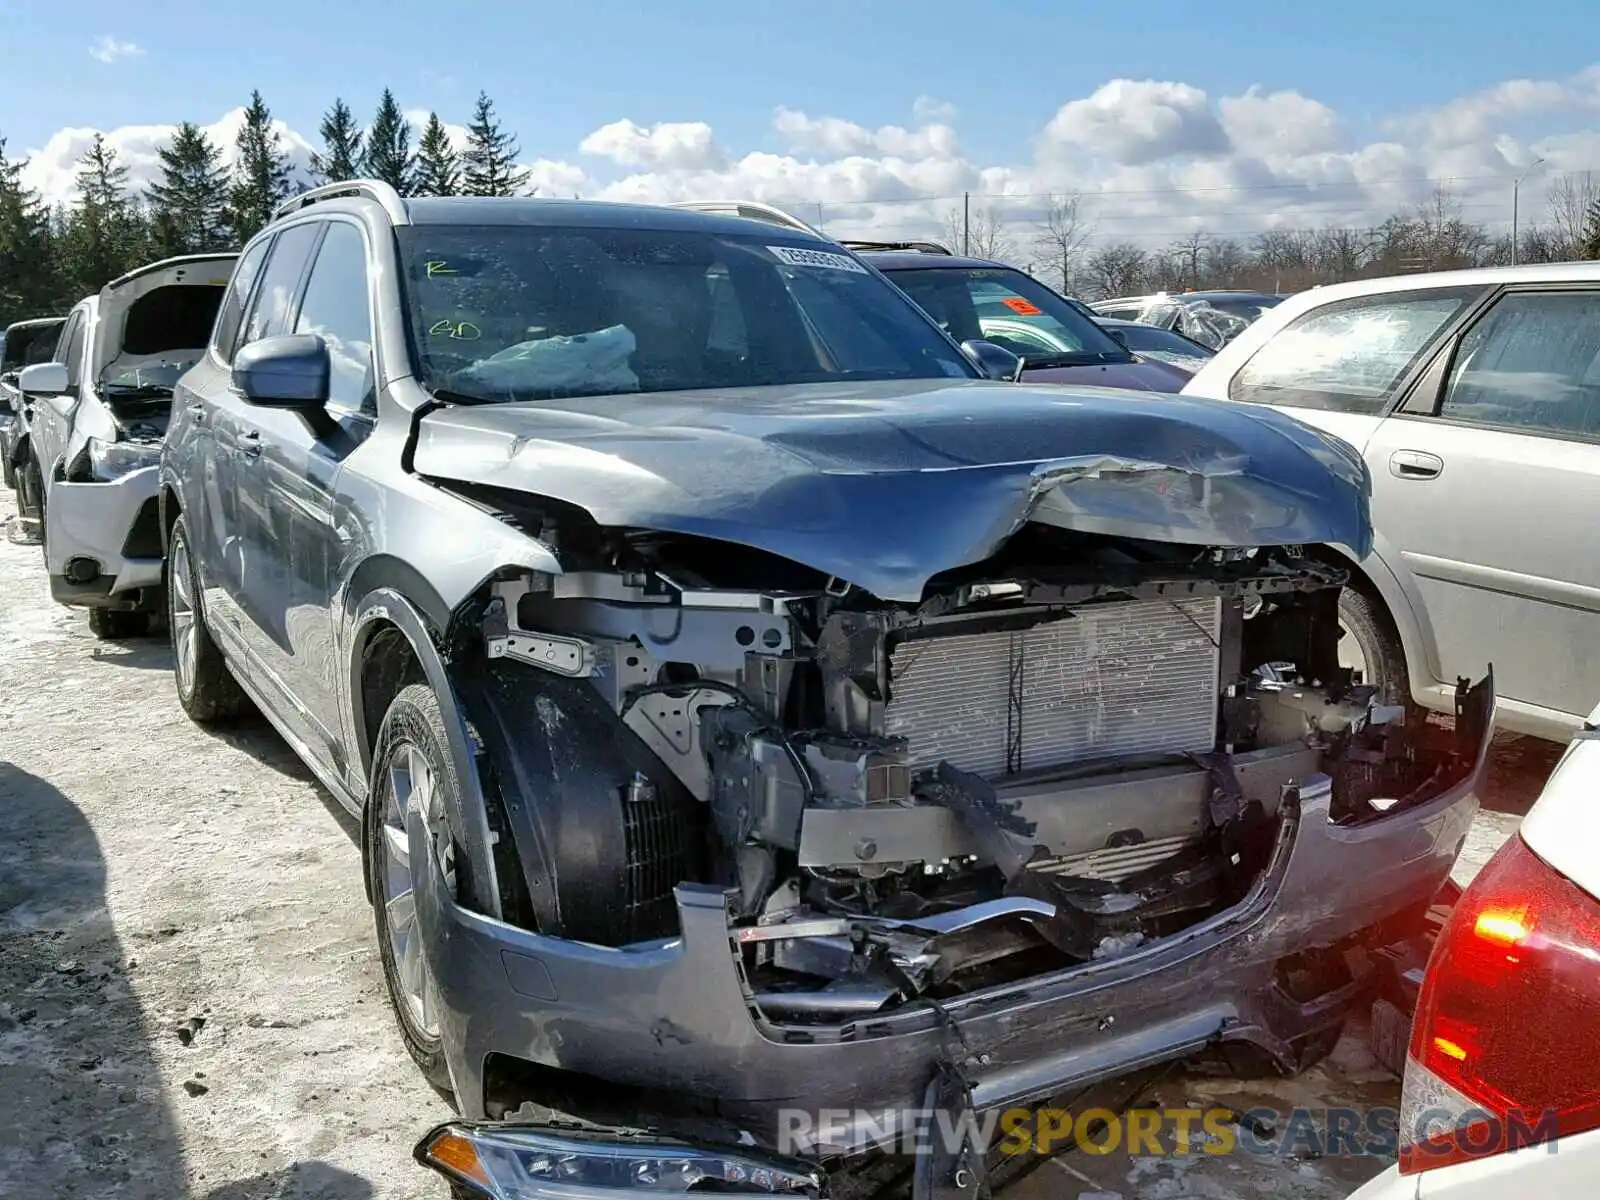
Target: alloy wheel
<point x="411" y="788"/>
<point x="181" y="616"/>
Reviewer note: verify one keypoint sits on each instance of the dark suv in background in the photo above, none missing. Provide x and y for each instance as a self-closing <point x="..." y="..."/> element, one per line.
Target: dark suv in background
<point x="749" y="703"/>
<point x="972" y="298"/>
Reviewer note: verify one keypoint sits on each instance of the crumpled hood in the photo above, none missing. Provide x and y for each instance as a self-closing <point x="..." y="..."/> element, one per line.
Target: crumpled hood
<point x="888" y="484"/>
<point x="1142" y="374"/>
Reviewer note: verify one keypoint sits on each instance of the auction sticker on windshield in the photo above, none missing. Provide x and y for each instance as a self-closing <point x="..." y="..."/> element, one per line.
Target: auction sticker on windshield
<point x="797" y="256"/>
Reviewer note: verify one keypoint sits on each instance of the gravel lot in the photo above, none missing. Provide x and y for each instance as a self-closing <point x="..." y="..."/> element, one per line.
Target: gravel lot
<point x="190" y="1000"/>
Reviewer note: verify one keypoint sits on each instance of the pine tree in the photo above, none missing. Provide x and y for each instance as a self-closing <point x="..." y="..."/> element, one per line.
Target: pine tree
<point x="1591" y="231"/>
<point x="341" y="140"/>
<point x="27" y="260"/>
<point x="189" y="205"/>
<point x="438" y="164"/>
<point x="489" y="163"/>
<point x="260" y="173"/>
<point x="389" y="156"/>
<point x="104" y="235"/>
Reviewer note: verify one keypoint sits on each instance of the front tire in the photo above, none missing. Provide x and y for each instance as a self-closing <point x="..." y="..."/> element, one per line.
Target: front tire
<point x="1370" y="643"/>
<point x="207" y="690"/>
<point x="411" y="772"/>
<point x="114" y="625"/>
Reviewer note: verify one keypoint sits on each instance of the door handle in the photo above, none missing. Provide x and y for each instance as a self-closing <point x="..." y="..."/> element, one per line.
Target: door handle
<point x="250" y="443"/>
<point x="1415" y="464"/>
<point x="197" y="411"/>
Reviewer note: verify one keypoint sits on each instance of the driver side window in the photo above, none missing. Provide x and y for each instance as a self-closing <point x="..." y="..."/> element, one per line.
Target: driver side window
<point x="74" y="337"/>
<point x="336" y="308"/>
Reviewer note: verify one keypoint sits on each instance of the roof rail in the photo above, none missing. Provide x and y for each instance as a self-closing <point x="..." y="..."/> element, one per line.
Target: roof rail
<point x="922" y="247"/>
<point x="372" y="189"/>
<point x="752" y="210"/>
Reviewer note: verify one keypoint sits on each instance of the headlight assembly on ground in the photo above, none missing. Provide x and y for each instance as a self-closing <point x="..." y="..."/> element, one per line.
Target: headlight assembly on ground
<point x="510" y="1162"/>
<point x="113" y="460"/>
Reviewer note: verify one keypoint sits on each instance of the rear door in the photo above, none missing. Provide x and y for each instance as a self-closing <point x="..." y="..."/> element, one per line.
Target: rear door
<point x="1487" y="483"/>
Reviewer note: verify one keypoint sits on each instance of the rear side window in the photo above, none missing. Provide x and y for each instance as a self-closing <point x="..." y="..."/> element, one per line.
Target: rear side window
<point x="280" y="282"/>
<point x="1532" y="363"/>
<point x="231" y="315"/>
<point x="1349" y="356"/>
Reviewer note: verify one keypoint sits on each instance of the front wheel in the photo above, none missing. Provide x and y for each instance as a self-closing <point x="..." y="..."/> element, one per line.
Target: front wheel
<point x="411" y="774"/>
<point x="1369" y="645"/>
<point x="207" y="690"/>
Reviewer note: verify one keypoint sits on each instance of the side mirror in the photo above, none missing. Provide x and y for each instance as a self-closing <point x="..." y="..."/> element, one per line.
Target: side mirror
<point x="996" y="362"/>
<point x="289" y="371"/>
<point x="44" y="379"/>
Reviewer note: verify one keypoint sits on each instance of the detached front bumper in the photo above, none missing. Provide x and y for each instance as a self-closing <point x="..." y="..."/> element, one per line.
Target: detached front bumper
<point x="103" y="540"/>
<point x="677" y="1016"/>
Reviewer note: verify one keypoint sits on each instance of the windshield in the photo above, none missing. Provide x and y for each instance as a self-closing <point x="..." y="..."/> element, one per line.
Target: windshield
<point x="531" y="313"/>
<point x="1248" y="308"/>
<point x="1004" y="306"/>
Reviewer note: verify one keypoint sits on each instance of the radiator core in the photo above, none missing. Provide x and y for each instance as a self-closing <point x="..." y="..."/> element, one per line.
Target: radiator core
<point x="1123" y="678"/>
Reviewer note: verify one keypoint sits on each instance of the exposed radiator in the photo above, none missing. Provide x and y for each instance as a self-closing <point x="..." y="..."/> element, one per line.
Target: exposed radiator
<point x="1136" y="677"/>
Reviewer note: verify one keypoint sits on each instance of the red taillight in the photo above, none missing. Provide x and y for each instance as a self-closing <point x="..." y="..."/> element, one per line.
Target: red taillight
<point x="1505" y="1045"/>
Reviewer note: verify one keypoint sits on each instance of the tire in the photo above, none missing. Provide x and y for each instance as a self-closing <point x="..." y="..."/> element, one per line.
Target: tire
<point x="207" y="690"/>
<point x="411" y="746"/>
<point x="7" y="470"/>
<point x="1368" y="629"/>
<point x="113" y="625"/>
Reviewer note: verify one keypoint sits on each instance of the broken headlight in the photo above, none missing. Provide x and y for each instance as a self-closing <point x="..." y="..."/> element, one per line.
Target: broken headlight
<point x="510" y="1162"/>
<point x="113" y="460"/>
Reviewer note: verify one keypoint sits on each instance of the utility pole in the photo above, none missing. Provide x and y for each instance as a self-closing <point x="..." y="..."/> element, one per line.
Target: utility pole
<point x="966" y="224"/>
<point x="1516" y="187"/>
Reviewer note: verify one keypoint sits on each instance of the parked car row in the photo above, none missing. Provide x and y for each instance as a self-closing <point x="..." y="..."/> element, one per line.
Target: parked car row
<point x="757" y="686"/>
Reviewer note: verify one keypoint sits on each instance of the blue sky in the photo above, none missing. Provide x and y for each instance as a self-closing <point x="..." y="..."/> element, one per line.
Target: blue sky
<point x="1170" y="116"/>
<point x="559" y="70"/>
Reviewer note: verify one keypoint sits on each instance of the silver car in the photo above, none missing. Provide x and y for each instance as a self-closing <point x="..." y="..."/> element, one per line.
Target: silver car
<point x="1474" y="397"/>
<point x="98" y="415"/>
<point x="22" y="344"/>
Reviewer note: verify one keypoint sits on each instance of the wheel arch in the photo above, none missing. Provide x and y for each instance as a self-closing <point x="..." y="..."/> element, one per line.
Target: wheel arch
<point x="387" y="620"/>
<point x="1404" y="607"/>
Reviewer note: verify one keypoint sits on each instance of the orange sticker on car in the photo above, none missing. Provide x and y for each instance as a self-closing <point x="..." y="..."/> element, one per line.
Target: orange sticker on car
<point x="1021" y="307"/>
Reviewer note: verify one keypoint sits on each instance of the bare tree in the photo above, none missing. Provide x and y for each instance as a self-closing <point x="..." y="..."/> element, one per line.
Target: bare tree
<point x="1226" y="263"/>
<point x="1187" y="253"/>
<point x="1570" y="198"/>
<point x="1115" y="269"/>
<point x="982" y="233"/>
<point x="1063" y="235"/>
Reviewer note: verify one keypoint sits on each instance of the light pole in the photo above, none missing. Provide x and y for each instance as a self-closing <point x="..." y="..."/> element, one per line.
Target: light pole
<point x="1516" y="187"/>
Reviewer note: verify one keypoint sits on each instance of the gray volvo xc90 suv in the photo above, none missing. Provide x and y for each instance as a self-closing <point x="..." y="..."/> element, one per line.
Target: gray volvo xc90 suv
<point x="751" y="707"/>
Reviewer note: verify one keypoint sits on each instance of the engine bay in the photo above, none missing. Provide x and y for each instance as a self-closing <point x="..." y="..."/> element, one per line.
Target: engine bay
<point x="1073" y="750"/>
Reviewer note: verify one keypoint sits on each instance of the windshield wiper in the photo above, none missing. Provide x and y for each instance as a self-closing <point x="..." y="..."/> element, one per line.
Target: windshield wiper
<point x="142" y="391"/>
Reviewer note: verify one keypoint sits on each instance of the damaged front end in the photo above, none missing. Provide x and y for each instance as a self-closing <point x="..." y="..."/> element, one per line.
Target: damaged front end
<point x="1094" y="800"/>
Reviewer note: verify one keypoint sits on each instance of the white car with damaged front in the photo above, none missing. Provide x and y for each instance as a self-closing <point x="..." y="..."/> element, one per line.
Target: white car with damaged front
<point x="100" y="413"/>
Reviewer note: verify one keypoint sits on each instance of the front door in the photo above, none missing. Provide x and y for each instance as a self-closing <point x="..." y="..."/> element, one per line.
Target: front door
<point x="294" y="480"/>
<point x="1488" y="494"/>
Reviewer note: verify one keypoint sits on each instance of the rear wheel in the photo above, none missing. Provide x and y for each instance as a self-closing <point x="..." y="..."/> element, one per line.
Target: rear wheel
<point x="207" y="690"/>
<point x="7" y="470"/>
<point x="110" y="624"/>
<point x="412" y="773"/>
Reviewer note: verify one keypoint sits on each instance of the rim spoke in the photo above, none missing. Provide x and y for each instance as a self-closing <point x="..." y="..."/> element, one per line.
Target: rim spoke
<point x="403" y="911"/>
<point x="399" y="846"/>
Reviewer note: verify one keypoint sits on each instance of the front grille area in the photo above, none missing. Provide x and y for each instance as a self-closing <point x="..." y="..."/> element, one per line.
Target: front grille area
<point x="144" y="536"/>
<point x="1114" y="679"/>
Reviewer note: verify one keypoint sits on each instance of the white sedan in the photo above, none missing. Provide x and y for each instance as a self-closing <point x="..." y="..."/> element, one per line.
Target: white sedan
<point x="1502" y="1082"/>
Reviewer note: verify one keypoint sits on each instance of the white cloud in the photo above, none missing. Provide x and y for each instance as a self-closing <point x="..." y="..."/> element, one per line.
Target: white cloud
<point x="669" y="146"/>
<point x="109" y="49"/>
<point x="1152" y="159"/>
<point x="1130" y="121"/>
<point x="418" y="118"/>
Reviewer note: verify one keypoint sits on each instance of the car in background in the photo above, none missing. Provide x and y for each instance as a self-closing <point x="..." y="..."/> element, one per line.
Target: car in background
<point x="1164" y="345"/>
<point x="1474" y="397"/>
<point x="975" y="299"/>
<point x="1211" y="318"/>
<point x="23" y="344"/>
<point x="1501" y="1092"/>
<point x="99" y="413"/>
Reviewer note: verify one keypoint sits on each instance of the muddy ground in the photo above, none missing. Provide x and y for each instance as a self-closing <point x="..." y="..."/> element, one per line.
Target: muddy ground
<point x="190" y="999"/>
